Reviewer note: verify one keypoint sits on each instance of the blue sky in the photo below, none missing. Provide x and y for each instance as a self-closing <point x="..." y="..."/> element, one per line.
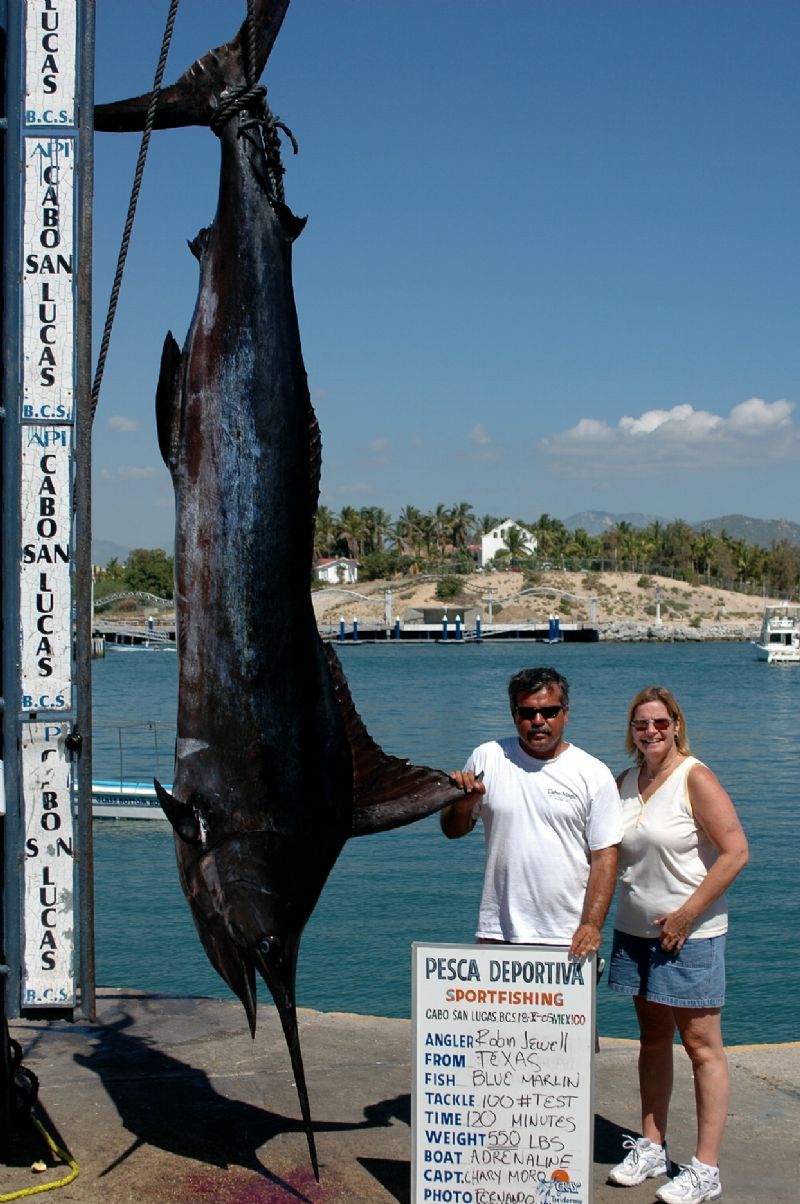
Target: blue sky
<point x="551" y="262"/>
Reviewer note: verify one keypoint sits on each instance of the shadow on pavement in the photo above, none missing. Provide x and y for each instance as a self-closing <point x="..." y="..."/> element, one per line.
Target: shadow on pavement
<point x="608" y="1140"/>
<point x="170" y="1105"/>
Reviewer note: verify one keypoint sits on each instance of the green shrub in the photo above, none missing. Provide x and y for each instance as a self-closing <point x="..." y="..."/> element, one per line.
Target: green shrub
<point x="448" y="588"/>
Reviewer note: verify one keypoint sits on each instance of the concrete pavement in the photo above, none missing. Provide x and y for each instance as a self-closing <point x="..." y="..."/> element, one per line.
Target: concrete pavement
<point x="168" y="1101"/>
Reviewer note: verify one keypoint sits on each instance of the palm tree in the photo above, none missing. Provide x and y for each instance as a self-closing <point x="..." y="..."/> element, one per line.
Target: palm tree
<point x="427" y="533"/>
<point x="324" y="533"/>
<point x="350" y="531"/>
<point x="703" y="553"/>
<point x="462" y="521"/>
<point x="440" y="521"/>
<point x="625" y="543"/>
<point x="407" y="529"/>
<point x="514" y="539"/>
<point x="376" y="523"/>
<point x="551" y="536"/>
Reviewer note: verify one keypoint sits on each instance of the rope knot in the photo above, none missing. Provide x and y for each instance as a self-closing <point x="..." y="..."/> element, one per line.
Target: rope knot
<point x="245" y="98"/>
<point x="249" y="103"/>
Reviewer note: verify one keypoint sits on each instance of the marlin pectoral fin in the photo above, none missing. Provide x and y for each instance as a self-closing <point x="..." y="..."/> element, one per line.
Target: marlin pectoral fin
<point x="167" y="401"/>
<point x="182" y="816"/>
<point x="387" y="791"/>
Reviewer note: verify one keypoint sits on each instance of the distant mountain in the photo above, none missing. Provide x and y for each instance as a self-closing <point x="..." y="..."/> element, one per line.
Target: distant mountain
<point x="762" y="532"/>
<point x="104" y="549"/>
<point x="597" y="522"/>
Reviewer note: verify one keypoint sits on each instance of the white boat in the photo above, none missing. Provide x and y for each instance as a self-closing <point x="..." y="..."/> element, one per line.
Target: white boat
<point x="141" y="644"/>
<point x="125" y="800"/>
<point x="779" y="642"/>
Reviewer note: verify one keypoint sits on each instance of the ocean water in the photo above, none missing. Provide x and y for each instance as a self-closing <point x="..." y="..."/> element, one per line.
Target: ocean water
<point x="432" y="703"/>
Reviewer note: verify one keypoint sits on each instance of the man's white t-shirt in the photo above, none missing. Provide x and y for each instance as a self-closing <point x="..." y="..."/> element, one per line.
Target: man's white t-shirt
<point x="541" y="819"/>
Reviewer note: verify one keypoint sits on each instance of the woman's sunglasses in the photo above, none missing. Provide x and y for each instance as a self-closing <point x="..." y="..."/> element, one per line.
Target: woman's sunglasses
<point x="641" y="725"/>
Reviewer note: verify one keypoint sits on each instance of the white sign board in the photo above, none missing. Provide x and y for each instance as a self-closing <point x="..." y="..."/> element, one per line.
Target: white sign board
<point x="45" y="587"/>
<point x="48" y="978"/>
<point x="50" y="67"/>
<point x="48" y="254"/>
<point x="503" y="1066"/>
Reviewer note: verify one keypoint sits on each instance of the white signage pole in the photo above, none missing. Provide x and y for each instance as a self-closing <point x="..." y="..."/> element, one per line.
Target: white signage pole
<point x="45" y="411"/>
<point x="503" y="1044"/>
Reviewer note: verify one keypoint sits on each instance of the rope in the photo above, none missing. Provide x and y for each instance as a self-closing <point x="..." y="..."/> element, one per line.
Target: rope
<point x="137" y="181"/>
<point x="251" y="98"/>
<point x="66" y="1157"/>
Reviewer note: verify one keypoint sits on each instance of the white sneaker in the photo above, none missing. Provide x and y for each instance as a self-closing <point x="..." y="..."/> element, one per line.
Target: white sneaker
<point x="644" y="1160"/>
<point x="691" y="1185"/>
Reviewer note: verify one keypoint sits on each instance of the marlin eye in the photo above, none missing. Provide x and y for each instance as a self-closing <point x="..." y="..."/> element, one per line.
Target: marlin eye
<point x="265" y="945"/>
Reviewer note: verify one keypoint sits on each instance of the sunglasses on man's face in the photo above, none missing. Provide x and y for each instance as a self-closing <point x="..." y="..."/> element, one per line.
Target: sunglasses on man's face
<point x="545" y="712"/>
<point x="641" y="725"/>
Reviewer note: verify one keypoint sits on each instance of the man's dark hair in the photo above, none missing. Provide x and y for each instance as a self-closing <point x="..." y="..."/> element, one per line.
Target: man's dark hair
<point x="530" y="681"/>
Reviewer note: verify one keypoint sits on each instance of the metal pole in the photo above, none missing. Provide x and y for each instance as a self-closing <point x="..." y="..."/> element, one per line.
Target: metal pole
<point x="82" y="579"/>
<point x="11" y="522"/>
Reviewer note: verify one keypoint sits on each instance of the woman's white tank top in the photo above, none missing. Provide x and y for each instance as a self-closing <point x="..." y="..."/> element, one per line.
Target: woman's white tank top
<point x="663" y="858"/>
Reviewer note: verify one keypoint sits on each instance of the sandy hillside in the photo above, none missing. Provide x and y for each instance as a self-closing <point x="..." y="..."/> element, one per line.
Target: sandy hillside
<point x="620" y="597"/>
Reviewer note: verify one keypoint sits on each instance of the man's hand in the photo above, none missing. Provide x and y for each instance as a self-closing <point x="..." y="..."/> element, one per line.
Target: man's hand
<point x="466" y="780"/>
<point x="457" y="819"/>
<point x="599" y="889"/>
<point x="585" y="941"/>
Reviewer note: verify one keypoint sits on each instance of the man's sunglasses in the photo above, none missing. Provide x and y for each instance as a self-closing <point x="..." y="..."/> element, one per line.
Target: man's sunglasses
<point x="641" y="725"/>
<point x="545" y="712"/>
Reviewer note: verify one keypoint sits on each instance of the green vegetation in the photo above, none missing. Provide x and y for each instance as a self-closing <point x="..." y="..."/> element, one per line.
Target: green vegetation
<point x="147" y="571"/>
<point x="448" y="588"/>
<point x="443" y="541"/>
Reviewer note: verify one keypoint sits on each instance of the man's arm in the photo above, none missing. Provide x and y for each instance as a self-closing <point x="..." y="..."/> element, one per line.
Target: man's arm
<point x="597" y="900"/>
<point x="458" y="819"/>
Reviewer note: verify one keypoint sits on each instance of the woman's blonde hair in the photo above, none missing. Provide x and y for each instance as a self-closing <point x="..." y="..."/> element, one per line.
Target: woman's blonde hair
<point x="665" y="696"/>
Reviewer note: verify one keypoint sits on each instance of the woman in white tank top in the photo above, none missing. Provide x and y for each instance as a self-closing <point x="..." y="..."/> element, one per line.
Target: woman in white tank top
<point x="683" y="846"/>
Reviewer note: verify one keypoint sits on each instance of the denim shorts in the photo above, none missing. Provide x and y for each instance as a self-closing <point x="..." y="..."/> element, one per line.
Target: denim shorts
<point x="693" y="978"/>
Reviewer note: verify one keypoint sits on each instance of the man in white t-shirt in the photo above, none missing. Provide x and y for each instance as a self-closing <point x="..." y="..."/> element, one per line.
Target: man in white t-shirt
<point x="552" y="820"/>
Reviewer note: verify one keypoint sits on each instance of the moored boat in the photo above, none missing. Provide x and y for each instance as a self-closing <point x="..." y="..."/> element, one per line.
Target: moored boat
<point x="125" y="800"/>
<point x="779" y="642"/>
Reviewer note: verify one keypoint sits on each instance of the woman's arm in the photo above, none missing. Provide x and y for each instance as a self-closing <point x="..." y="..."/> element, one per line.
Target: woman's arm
<point x="716" y="815"/>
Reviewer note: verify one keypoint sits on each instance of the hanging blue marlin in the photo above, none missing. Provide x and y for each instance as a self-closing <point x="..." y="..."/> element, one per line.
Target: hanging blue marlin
<point x="274" y="769"/>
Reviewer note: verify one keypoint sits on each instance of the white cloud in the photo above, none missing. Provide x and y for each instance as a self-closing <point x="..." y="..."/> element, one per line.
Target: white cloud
<point x="589" y="431"/>
<point x="478" y="435"/>
<point x="378" y="451"/>
<point x="755" y="432"/>
<point x="483" y="450"/>
<point x="681" y="422"/>
<point x="130" y="472"/>
<point x="118" y="422"/>
<point x="350" y="490"/>
<point x="755" y="416"/>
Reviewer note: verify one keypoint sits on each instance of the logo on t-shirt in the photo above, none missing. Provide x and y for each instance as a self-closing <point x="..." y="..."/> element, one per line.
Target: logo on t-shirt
<point x="562" y="796"/>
